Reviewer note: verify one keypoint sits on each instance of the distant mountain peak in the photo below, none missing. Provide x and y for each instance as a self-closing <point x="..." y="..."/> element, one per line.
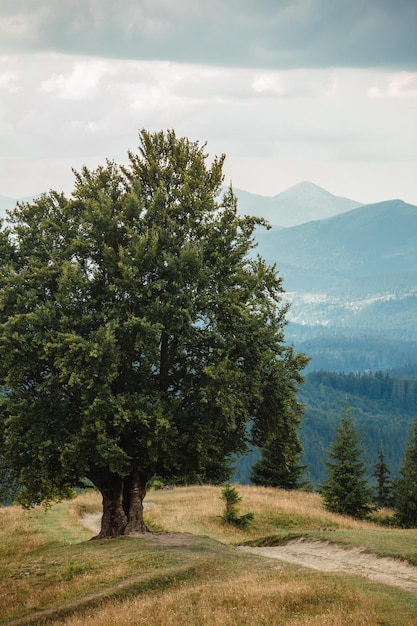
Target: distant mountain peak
<point x="304" y="185"/>
<point x="303" y="202"/>
<point x="306" y="189"/>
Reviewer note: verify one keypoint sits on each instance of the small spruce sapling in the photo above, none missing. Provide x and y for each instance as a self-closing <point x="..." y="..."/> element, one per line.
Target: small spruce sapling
<point x="231" y="511"/>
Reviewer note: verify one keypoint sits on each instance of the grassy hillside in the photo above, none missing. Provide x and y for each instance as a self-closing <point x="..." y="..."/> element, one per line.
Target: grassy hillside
<point x="190" y="572"/>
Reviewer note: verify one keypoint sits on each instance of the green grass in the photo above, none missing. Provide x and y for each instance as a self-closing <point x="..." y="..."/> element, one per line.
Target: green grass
<point x="398" y="543"/>
<point x="58" y="524"/>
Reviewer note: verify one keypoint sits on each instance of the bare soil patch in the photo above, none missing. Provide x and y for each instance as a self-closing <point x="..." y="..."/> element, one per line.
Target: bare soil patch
<point x="329" y="557"/>
<point x="91" y="521"/>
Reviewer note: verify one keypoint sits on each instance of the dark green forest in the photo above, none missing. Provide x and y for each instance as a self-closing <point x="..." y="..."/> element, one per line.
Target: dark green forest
<point x="383" y="405"/>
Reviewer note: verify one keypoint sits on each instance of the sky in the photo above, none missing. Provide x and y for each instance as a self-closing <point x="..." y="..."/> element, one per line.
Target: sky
<point x="288" y="90"/>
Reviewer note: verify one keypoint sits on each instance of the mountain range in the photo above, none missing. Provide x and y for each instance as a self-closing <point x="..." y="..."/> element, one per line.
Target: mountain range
<point x="351" y="280"/>
<point x="375" y="240"/>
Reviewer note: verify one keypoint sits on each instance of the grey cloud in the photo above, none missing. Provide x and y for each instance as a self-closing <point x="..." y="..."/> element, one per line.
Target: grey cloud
<point x="239" y="33"/>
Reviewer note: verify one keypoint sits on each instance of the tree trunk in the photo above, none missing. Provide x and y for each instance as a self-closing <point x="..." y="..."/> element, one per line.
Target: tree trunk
<point x="122" y="505"/>
<point x="135" y="491"/>
<point x="114" y="519"/>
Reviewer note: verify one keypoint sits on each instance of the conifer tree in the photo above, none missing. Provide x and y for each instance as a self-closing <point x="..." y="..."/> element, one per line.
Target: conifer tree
<point x="231" y="513"/>
<point x="346" y="489"/>
<point x="406" y="485"/>
<point x="383" y="495"/>
<point x="279" y="465"/>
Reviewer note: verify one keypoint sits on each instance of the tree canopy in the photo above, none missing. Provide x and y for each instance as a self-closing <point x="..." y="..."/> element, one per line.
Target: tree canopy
<point x="139" y="334"/>
<point x="279" y="464"/>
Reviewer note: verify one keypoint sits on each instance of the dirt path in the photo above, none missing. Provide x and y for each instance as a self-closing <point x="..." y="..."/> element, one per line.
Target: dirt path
<point x="91" y="521"/>
<point x="330" y="557"/>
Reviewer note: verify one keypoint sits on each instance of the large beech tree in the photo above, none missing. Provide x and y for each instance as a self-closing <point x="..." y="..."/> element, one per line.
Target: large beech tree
<point x="139" y="333"/>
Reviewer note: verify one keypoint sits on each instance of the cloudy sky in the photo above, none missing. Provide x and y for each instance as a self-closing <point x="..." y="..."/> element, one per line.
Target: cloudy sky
<point x="289" y="90"/>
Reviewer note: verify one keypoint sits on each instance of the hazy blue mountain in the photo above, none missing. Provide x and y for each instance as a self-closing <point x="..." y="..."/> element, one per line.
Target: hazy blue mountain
<point x="7" y="203"/>
<point x="298" y="204"/>
<point x="372" y="239"/>
<point x="352" y="283"/>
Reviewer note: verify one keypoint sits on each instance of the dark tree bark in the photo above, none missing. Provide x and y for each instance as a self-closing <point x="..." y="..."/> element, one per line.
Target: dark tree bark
<point x="114" y="519"/>
<point x="136" y="487"/>
<point x="122" y="505"/>
<point x="168" y="351"/>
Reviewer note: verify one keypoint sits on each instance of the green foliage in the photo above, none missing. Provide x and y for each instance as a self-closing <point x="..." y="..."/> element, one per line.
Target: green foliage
<point x="383" y="496"/>
<point x="279" y="465"/>
<point x="346" y="488"/>
<point x="384" y="408"/>
<point x="139" y="332"/>
<point x="155" y="483"/>
<point x="406" y="485"/>
<point x="231" y="512"/>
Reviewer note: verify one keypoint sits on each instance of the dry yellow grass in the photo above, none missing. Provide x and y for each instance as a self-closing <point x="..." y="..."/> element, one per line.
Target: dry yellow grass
<point x="199" y="509"/>
<point x="87" y="502"/>
<point x="18" y="535"/>
<point x="252" y="598"/>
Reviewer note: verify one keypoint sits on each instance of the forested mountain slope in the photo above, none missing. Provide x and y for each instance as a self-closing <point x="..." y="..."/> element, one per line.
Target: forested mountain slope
<point x="371" y="240"/>
<point x="383" y="407"/>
